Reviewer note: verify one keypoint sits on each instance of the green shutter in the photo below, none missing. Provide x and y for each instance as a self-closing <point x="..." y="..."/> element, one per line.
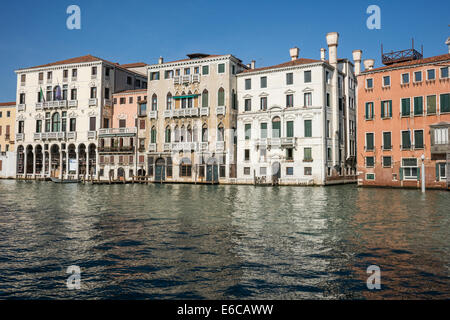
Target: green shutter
<point x="308" y="128"/>
<point x="382" y="109"/>
<point x="290" y="129"/>
<point x="401" y="174"/>
<point x="221" y="98"/>
<point x="445" y="102"/>
<point x="390" y="108"/>
<point x="263" y="130"/>
<point x="418" y="174"/>
<point x="437" y="172"/>
<point x="367" y="110"/>
<point x="276" y="129"/>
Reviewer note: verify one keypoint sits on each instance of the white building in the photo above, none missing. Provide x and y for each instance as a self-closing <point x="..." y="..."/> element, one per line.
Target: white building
<point x="7" y="165"/>
<point x="296" y="121"/>
<point x="60" y="108"/>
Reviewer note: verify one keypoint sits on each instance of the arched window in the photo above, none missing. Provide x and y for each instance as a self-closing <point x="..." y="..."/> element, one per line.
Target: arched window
<point x="220" y="132"/>
<point x="169" y="101"/>
<point x="168" y="133"/>
<point x="205" y="133"/>
<point x="183" y="133"/>
<point x="153" y="135"/>
<point x="185" y="168"/>
<point x="154" y="102"/>
<point x="177" y="134"/>
<point x="205" y="103"/>
<point x="189" y="134"/>
<point x="221" y="97"/>
<point x="56" y="122"/>
<point x="276" y="127"/>
<point x="195" y="134"/>
<point x="183" y="101"/>
<point x="57" y="93"/>
<point x="190" y="100"/>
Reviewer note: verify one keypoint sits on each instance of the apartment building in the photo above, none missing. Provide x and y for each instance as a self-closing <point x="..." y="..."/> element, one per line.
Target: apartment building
<point x="404" y="115"/>
<point x="191" y="114"/>
<point x="7" y="126"/>
<point x="118" y="144"/>
<point x="296" y="122"/>
<point x="60" y="108"/>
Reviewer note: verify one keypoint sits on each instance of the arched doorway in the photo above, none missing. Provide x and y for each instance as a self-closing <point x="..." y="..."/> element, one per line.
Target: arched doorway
<point x="121" y="174"/>
<point x="82" y="159"/>
<point x="92" y="159"/>
<point x="212" y="170"/>
<point x="20" y="160"/>
<point x="30" y="160"/>
<point x="39" y="160"/>
<point x="160" y="170"/>
<point x="141" y="173"/>
<point x="55" y="164"/>
<point x="276" y="172"/>
<point x="73" y="166"/>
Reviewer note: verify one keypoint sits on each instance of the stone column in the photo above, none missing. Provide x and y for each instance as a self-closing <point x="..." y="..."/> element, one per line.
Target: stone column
<point x="60" y="164"/>
<point x="87" y="164"/>
<point x="34" y="163"/>
<point x="43" y="164"/>
<point x="67" y="164"/>
<point x="78" y="164"/>
<point x="25" y="158"/>
<point x="50" y="162"/>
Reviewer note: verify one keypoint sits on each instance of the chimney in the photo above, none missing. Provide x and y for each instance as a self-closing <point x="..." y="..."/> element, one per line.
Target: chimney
<point x="253" y="64"/>
<point x="160" y="60"/>
<point x="294" y="52"/>
<point x="357" y="59"/>
<point x="249" y="65"/>
<point x="448" y="44"/>
<point x="368" y="64"/>
<point x="332" y="41"/>
<point x="322" y="54"/>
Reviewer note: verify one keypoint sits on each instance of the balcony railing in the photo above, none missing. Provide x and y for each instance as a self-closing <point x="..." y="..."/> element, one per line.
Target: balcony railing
<point x="167" y="147"/>
<point x="204" y="112"/>
<point x="220" y="111"/>
<point x="71" y="135"/>
<point x="168" y="114"/>
<point x="92" y="102"/>
<point x="203" y="146"/>
<point x="92" y="134"/>
<point x="21" y="107"/>
<point x="39" y="105"/>
<point x="288" y="141"/>
<point x="117" y="131"/>
<point x="153" y="114"/>
<point x="116" y="149"/>
<point x="20" y="137"/>
<point x="274" y="142"/>
<point x="108" y="102"/>
<point x="152" y="147"/>
<point x="220" y="145"/>
<point x="73" y="103"/>
<point x="37" y="136"/>
<point x="195" y="78"/>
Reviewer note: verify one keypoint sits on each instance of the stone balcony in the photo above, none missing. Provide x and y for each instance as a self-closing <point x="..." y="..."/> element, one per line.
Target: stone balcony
<point x="117" y="131"/>
<point x="220" y="111"/>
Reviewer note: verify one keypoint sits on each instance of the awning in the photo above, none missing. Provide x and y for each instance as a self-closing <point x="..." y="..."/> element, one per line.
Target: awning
<point x="186" y="97"/>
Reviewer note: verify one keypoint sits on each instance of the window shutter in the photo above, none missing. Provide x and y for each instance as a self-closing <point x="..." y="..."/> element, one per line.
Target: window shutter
<point x="290" y="129"/>
<point x="367" y="110"/>
<point x="437" y="172"/>
<point x="390" y="108"/>
<point x="382" y="109"/>
<point x="418" y="174"/>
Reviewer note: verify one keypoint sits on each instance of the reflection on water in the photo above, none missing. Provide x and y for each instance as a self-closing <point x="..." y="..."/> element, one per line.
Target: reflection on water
<point x="222" y="242"/>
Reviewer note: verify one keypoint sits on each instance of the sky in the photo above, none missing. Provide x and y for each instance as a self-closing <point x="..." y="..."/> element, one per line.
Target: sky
<point x="35" y="32"/>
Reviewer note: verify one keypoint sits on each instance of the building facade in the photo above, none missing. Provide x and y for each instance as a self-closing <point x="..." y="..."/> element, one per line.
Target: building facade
<point x="7" y="126"/>
<point x="296" y="122"/>
<point x="404" y="115"/>
<point x="60" y="108"/>
<point x="191" y="119"/>
<point x="118" y="144"/>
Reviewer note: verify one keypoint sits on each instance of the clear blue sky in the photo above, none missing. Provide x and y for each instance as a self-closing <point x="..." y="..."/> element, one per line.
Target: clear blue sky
<point x="34" y="32"/>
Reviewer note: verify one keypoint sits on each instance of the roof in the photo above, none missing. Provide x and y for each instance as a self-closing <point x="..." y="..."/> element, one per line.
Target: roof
<point x="435" y="59"/>
<point x="7" y="104"/>
<point x="130" y="91"/>
<point x="83" y="59"/>
<point x="293" y="63"/>
<point x="134" y="65"/>
<point x="203" y="56"/>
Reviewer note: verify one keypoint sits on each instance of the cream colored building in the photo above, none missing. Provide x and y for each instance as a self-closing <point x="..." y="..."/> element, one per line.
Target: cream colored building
<point x="61" y="107"/>
<point x="7" y="126"/>
<point x="191" y="120"/>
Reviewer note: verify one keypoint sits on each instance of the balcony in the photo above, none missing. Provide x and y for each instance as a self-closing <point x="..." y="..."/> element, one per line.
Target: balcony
<point x="21" y="107"/>
<point x="74" y="79"/>
<point x="167" y="147"/>
<point x="93" y="102"/>
<point x="440" y="138"/>
<point x="204" y="112"/>
<point x="186" y="79"/>
<point x="152" y="147"/>
<point x="274" y="142"/>
<point x="117" y="131"/>
<point x="71" y="135"/>
<point x="194" y="112"/>
<point x="92" y="134"/>
<point x="203" y="146"/>
<point x="220" y="145"/>
<point x="118" y="149"/>
<point x="288" y="142"/>
<point x="39" y="106"/>
<point x="177" y="80"/>
<point x="195" y="78"/>
<point x="168" y="114"/>
<point x="65" y="80"/>
<point x="108" y="102"/>
<point x="220" y="111"/>
<point x="261" y="142"/>
<point x="153" y="114"/>
<point x="37" y="136"/>
<point x="73" y="103"/>
<point x="20" y="137"/>
<point x="186" y="146"/>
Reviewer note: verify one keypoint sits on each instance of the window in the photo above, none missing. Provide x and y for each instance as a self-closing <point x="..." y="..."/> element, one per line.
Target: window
<point x="153" y="135"/>
<point x="49" y="75"/>
<point x="289" y="154"/>
<point x="431" y="74"/>
<point x="222" y="68"/>
<point x="431" y="104"/>
<point x="205" y="70"/>
<point x="418" y="106"/>
<point x="308" y="171"/>
<point x="405" y="78"/>
<point x="418" y="139"/>
<point x="290" y="129"/>
<point x="122" y="123"/>
<point x="221" y="97"/>
<point x="445" y="102"/>
<point x="246" y="155"/>
<point x="370" y="143"/>
<point x="74" y="73"/>
<point x="441" y="136"/>
<point x="73" y="94"/>
<point x="205" y="99"/>
<point x="93" y="93"/>
<point x="387" y="141"/>
<point x="247" y="171"/>
<point x="248" y="104"/>
<point x="154" y="76"/>
<point x="169" y="101"/>
<point x="56" y="122"/>
<point x="142" y="124"/>
<point x="107" y="71"/>
<point x="130" y="100"/>
<point x="307" y="154"/>
<point x="248" y="84"/>
<point x="187" y="71"/>
<point x="129" y="81"/>
<point x="308" y="99"/>
<point x="289" y="78"/>
<point x="441" y="172"/>
<point x="94" y="71"/>
<point x="263" y="82"/>
<point x="444" y="72"/>
<point x="38" y="127"/>
<point x="22" y="98"/>
<point x="386" y="109"/>
<point x="289" y="101"/>
<point x="185" y="168"/>
<point x="308" y="128"/>
<point x="92" y="123"/>
<point x="64" y="121"/>
<point x="418" y="76"/>
<point x="196" y="70"/>
<point x="386" y="81"/>
<point x="409" y="169"/>
<point x="264" y="103"/>
<point x="387" y="162"/>
<point x="406" y="140"/>
<point x="406" y="107"/>
<point x="329" y="155"/>
<point x="370" y="176"/>
<point x="248" y="131"/>
<point x="123" y="100"/>
<point x="73" y="125"/>
<point x="263" y="130"/>
<point x="369" y="111"/>
<point x="168" y="74"/>
<point x="370" y="162"/>
<point x="289" y="171"/>
<point x="154" y="102"/>
<point x="47" y="122"/>
<point x="307" y="76"/>
<point x="369" y="83"/>
<point x="23" y="78"/>
<point x="328" y="99"/>
<point x="276" y="127"/>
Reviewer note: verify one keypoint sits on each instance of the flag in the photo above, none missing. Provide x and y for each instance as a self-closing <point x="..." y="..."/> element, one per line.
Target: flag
<point x="58" y="93"/>
<point x="42" y="95"/>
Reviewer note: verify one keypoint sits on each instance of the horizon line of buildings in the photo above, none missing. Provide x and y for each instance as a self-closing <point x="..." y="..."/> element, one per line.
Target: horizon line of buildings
<point x="213" y="119"/>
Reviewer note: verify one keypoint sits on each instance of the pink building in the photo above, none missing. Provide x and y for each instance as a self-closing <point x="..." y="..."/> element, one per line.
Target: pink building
<point x="125" y="107"/>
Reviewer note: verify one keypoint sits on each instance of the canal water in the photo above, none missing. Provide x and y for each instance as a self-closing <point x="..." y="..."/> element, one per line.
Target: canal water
<point x="222" y="242"/>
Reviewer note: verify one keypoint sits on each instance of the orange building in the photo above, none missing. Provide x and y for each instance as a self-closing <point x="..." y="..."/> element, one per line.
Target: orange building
<point x="404" y="114"/>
